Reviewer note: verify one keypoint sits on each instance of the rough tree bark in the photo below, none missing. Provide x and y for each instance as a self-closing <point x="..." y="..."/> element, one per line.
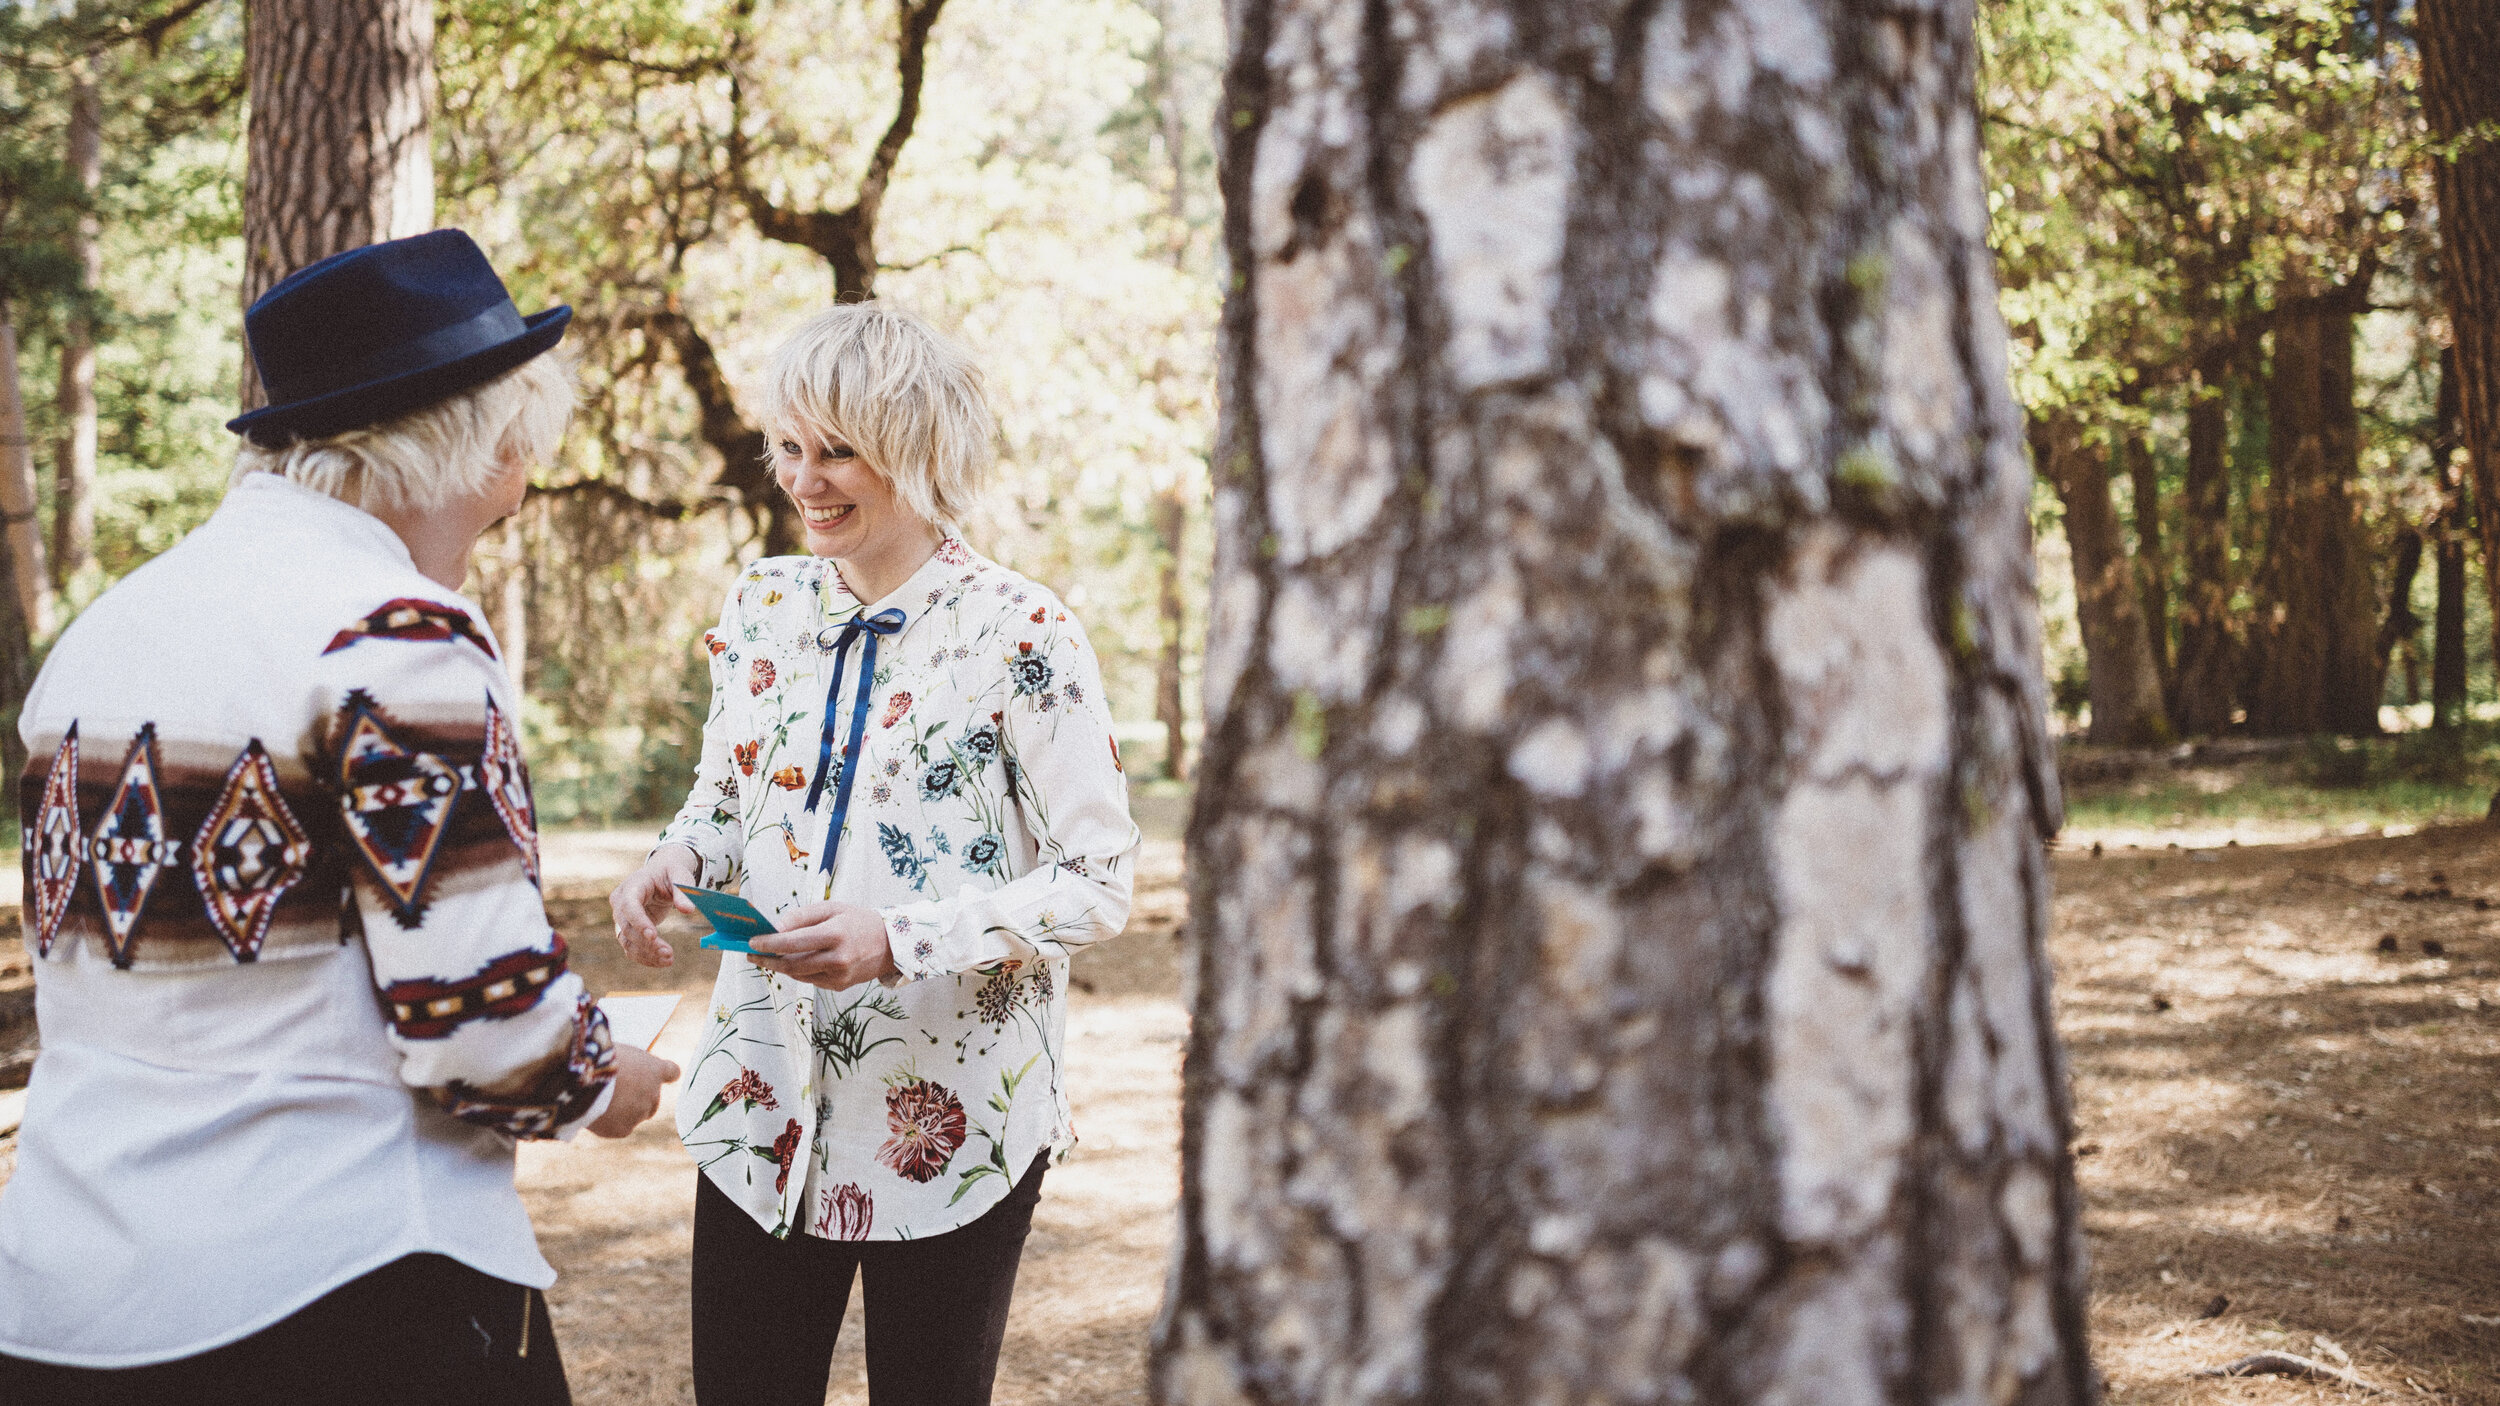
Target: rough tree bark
<point x="17" y="491"/>
<point x="73" y="455"/>
<point x="2316" y="628"/>
<point x="337" y="155"/>
<point x="2207" y="669"/>
<point x="2461" y="97"/>
<point x="1618" y="967"/>
<point x="2448" y="617"/>
<point x="2118" y="650"/>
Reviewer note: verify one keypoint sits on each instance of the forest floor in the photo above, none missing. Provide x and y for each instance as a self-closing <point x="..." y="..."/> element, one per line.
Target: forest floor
<point x="2286" y="1136"/>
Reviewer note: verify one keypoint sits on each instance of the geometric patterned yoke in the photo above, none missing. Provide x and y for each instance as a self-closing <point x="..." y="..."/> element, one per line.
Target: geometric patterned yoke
<point x="173" y="862"/>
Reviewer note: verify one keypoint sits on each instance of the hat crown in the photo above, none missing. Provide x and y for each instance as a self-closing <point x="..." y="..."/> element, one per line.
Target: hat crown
<point x="368" y="313"/>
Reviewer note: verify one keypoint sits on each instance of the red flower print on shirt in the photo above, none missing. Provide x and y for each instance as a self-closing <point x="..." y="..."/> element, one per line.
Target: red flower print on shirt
<point x="785" y="1151"/>
<point x="928" y="1125"/>
<point x="895" y="708"/>
<point x="759" y="675"/>
<point x="744" y="752"/>
<point x="1040" y="613"/>
<point x="847" y="1213"/>
<point x="750" y="1089"/>
<point x="789" y="778"/>
<point x="715" y="643"/>
<point x="953" y="552"/>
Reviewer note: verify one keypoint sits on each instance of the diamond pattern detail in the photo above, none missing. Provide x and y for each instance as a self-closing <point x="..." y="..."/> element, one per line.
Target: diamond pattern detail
<point x="248" y="853"/>
<point x="59" y="844"/>
<point x="506" y="781"/>
<point x="130" y="849"/>
<point x="397" y="803"/>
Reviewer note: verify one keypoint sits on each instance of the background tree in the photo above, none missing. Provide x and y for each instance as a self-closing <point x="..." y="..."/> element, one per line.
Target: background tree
<point x="2461" y="92"/>
<point x="342" y="92"/>
<point x="1616" y="869"/>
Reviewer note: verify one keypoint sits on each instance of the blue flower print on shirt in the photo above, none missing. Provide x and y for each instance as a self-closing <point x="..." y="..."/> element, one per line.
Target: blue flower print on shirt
<point x="941" y="780"/>
<point x="983" y="855"/>
<point x="903" y="855"/>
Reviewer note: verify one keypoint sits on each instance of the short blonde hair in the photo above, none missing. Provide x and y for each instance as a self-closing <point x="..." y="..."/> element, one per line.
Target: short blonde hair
<point x="899" y="392"/>
<point x="431" y="457"/>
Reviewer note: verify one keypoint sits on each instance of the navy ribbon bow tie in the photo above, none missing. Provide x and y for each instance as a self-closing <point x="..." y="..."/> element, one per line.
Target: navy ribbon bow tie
<point x="851" y="631"/>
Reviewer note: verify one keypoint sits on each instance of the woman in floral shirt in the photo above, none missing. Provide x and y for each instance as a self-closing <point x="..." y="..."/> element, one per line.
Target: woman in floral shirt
<point x="909" y="764"/>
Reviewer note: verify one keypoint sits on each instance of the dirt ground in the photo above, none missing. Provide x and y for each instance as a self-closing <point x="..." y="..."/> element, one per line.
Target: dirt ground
<point x="2285" y="1135"/>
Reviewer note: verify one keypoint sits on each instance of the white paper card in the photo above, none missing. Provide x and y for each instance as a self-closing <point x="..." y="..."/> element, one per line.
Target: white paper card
<point x="637" y="1019"/>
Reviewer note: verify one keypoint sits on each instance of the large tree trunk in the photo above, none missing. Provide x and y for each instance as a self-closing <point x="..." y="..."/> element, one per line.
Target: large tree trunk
<point x="2461" y="95"/>
<point x="17" y="491"/>
<point x="2207" y="670"/>
<point x="2448" y="617"/>
<point x="2118" y="652"/>
<point x="1618" y="970"/>
<point x="338" y="156"/>
<point x="2317" y="614"/>
<point x="73" y="462"/>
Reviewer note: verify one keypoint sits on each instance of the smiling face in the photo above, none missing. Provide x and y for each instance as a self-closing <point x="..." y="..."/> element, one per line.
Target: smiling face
<point x="848" y="509"/>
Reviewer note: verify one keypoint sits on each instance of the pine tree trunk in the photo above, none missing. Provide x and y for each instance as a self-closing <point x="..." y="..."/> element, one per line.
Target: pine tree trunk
<point x="17" y="491"/>
<point x="1171" y="533"/>
<point x="1618" y="967"/>
<point x="73" y="462"/>
<point x="17" y="484"/>
<point x="2317" y="667"/>
<point x="2208" y="669"/>
<point x="1171" y="509"/>
<point x="2118" y="652"/>
<point x="2152" y="562"/>
<point x="341" y="91"/>
<point x="2461" y="94"/>
<point x="2448" y="617"/>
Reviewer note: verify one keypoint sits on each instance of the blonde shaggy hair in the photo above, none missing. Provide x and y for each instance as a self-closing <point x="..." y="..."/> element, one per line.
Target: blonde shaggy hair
<point x="896" y="390"/>
<point x="435" y="456"/>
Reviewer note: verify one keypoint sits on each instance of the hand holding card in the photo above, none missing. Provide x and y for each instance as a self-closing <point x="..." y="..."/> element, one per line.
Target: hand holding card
<point x="734" y="920"/>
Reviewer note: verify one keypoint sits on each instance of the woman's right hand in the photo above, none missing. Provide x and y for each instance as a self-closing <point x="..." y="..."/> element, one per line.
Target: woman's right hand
<point x="638" y="1078"/>
<point x="646" y="897"/>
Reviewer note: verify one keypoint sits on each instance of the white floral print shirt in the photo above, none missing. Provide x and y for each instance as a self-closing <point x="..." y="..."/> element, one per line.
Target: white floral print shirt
<point x="988" y="823"/>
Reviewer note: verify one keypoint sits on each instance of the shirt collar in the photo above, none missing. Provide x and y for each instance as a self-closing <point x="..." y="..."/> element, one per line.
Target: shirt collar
<point x="261" y="495"/>
<point x="912" y="598"/>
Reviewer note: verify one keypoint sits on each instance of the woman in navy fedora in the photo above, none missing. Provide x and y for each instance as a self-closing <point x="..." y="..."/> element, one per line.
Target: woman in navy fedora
<point x="297" y="990"/>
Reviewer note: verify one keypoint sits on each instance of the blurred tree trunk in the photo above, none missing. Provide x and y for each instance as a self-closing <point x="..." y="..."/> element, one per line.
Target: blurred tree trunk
<point x="2207" y="670"/>
<point x="1171" y="509"/>
<point x="2448" y="617"/>
<point x="2460" y="96"/>
<point x="73" y="462"/>
<point x="337" y="156"/>
<point x="2399" y="624"/>
<point x="2315" y="636"/>
<point x="2118" y="653"/>
<point x="17" y="485"/>
<point x="17" y="492"/>
<point x="1172" y="533"/>
<point x="2151" y="560"/>
<point x="1618" y="972"/>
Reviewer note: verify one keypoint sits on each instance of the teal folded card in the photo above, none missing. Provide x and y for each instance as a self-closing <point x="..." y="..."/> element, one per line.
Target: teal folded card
<point x="734" y="920"/>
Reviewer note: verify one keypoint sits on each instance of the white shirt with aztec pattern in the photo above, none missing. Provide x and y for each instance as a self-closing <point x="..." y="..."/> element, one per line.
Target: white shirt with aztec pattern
<point x="988" y="824"/>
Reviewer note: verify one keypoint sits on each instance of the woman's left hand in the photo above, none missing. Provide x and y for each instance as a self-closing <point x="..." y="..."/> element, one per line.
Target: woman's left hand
<point x="833" y="945"/>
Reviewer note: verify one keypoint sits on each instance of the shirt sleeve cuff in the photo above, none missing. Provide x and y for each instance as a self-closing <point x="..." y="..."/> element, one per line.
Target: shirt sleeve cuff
<point x="598" y="1106"/>
<point x="912" y="939"/>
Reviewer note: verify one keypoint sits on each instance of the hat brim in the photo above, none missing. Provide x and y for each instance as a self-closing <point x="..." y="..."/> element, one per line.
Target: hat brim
<point x="354" y="407"/>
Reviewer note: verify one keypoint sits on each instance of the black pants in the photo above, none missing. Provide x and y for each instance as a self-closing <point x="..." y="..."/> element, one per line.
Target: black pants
<point x="419" y="1331"/>
<point x="766" y="1311"/>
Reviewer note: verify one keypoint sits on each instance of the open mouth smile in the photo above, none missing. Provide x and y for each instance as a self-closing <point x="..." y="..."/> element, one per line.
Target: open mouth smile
<point x="827" y="517"/>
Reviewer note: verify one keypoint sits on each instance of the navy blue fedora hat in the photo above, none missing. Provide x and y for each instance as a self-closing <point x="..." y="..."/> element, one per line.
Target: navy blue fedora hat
<point x="371" y="334"/>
